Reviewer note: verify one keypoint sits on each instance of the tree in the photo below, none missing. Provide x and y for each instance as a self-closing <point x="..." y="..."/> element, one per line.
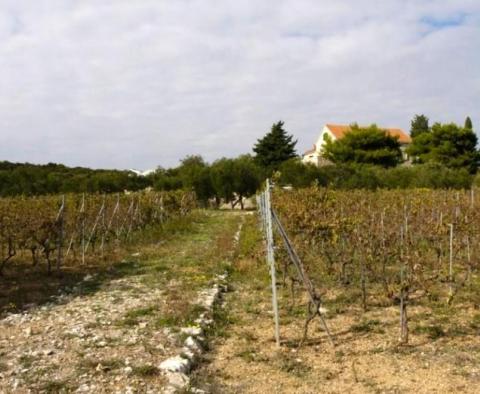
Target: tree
<point x="369" y="145"/>
<point x="189" y="169"/>
<point x="235" y="179"/>
<point x="163" y="179"/>
<point x="274" y="148"/>
<point x="222" y="177"/>
<point x="446" y="144"/>
<point x="194" y="173"/>
<point x="246" y="177"/>
<point x="419" y="125"/>
<point x="294" y="173"/>
<point x="468" y="123"/>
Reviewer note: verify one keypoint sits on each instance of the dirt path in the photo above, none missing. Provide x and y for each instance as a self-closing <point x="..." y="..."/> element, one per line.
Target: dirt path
<point x="443" y="357"/>
<point x="111" y="336"/>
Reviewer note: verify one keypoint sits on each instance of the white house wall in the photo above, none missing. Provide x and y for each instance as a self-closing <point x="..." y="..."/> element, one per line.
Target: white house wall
<point x="321" y="139"/>
<point x="315" y="157"/>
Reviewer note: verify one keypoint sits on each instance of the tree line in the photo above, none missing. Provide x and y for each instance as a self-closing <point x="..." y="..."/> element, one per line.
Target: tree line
<point x="227" y="180"/>
<point x="33" y="179"/>
<point x="440" y="156"/>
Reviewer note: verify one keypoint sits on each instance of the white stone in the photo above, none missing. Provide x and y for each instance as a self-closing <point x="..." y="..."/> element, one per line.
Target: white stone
<point x="192" y="331"/>
<point x="176" y="364"/>
<point x="189" y="354"/>
<point x="176" y="381"/>
<point x="84" y="388"/>
<point x="193" y="345"/>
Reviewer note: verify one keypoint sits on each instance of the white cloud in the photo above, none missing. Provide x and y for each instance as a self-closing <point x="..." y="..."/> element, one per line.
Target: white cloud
<point x="125" y="83"/>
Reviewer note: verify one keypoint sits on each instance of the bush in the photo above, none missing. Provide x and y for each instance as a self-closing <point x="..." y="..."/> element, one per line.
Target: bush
<point x="431" y="176"/>
<point x="294" y="173"/>
<point x="357" y="176"/>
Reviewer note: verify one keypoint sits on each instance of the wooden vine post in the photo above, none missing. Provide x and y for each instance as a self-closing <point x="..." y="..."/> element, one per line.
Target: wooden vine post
<point x="450" y="266"/>
<point x="404" y="288"/>
<point x="403" y="306"/>
<point x="60" y="223"/>
<point x="102" y="242"/>
<point x="95" y="224"/>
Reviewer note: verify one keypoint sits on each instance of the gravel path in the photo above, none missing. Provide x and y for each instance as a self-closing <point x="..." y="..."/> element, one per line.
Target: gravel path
<point x="112" y="335"/>
<point x="87" y="343"/>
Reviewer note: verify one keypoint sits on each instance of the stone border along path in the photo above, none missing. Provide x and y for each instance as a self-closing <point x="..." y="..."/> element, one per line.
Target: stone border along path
<point x="177" y="368"/>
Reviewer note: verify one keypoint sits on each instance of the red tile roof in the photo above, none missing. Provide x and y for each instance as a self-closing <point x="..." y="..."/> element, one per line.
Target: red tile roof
<point x="339" y="131"/>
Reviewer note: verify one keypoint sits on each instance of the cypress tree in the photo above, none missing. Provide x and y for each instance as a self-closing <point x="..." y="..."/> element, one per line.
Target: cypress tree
<point x="468" y="123"/>
<point x="274" y="148"/>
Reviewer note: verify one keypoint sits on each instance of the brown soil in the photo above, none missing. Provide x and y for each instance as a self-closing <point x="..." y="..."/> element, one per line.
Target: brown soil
<point x="443" y="354"/>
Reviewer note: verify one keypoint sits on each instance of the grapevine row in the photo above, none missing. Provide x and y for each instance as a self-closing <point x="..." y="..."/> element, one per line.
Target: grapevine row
<point x="393" y="245"/>
<point x="71" y="228"/>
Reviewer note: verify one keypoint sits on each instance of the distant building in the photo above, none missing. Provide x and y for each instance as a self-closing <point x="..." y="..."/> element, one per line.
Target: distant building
<point x="336" y="132"/>
<point x="142" y="173"/>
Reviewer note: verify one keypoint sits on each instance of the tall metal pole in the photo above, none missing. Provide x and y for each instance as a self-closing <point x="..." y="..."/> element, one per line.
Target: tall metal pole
<point x="271" y="260"/>
<point x="60" y="223"/>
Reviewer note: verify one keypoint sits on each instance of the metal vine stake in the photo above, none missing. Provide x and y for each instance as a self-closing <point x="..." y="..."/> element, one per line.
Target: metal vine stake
<point x="268" y="217"/>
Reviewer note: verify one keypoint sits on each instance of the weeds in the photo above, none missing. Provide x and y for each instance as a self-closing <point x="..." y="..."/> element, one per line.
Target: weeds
<point x="291" y="365"/>
<point x="433" y="331"/>
<point x="475" y="323"/>
<point x="56" y="386"/>
<point x="26" y="360"/>
<point x="367" y="326"/>
<point x="104" y="365"/>
<point x="145" y="370"/>
<point x="250" y="355"/>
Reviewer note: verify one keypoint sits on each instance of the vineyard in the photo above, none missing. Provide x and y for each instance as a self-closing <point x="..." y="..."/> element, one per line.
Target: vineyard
<point x="387" y="247"/>
<point x="73" y="228"/>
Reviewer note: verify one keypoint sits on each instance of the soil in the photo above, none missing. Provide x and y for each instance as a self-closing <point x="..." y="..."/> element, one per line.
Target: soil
<point x="443" y="353"/>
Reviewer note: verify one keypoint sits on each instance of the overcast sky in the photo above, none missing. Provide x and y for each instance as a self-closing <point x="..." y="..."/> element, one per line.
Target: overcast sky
<point x="141" y="83"/>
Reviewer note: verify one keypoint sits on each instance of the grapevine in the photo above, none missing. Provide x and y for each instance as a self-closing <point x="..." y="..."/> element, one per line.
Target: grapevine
<point x="396" y="246"/>
<point x="69" y="229"/>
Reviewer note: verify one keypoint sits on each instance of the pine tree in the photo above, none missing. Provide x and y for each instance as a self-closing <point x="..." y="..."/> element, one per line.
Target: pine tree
<point x="449" y="145"/>
<point x="364" y="145"/>
<point x="468" y="123"/>
<point x="419" y="125"/>
<point x="274" y="148"/>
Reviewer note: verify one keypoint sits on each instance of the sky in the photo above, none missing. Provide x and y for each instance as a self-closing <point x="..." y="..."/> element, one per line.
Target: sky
<point x="140" y="84"/>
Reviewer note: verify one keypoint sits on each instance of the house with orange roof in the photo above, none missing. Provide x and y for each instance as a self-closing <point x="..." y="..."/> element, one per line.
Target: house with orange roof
<point x="336" y="132"/>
